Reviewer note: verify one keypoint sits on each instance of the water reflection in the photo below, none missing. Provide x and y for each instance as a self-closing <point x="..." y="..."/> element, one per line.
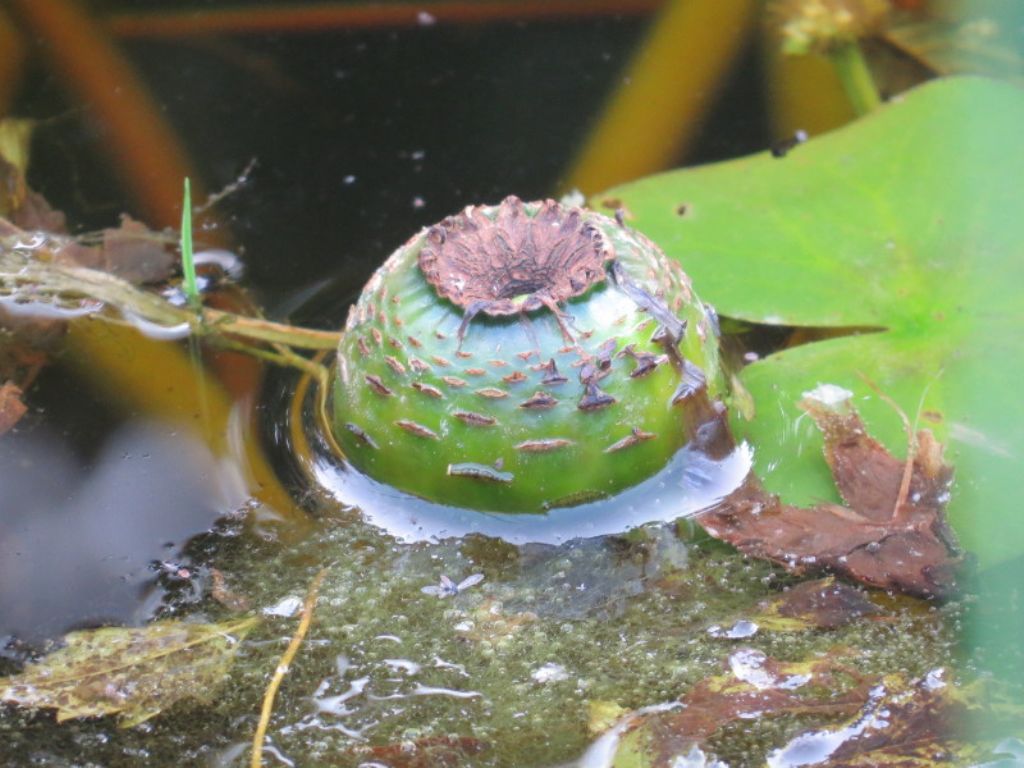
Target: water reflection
<point x="689" y="483"/>
<point x="77" y="540"/>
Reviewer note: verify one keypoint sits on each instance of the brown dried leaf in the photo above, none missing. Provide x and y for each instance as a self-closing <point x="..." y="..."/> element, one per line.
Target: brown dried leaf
<point x="131" y="251"/>
<point x="35" y="213"/>
<point x="885" y="538"/>
<point x="11" y="406"/>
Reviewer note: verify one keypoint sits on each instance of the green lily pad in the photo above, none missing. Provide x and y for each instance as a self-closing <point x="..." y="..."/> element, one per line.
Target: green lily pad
<point x="133" y="672"/>
<point x="906" y="225"/>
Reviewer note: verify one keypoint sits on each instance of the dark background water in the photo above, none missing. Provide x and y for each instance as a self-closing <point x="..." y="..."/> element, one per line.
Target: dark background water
<point x="361" y="137"/>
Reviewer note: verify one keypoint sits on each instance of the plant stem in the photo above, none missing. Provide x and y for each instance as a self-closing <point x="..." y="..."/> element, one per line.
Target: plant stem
<point x="856" y="78"/>
<point x="256" y="329"/>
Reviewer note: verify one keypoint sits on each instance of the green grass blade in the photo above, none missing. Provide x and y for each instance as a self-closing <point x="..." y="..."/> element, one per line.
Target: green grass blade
<point x="188" y="266"/>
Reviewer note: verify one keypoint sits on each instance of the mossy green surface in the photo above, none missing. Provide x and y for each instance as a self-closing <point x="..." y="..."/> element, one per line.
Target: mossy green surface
<point x="510" y="665"/>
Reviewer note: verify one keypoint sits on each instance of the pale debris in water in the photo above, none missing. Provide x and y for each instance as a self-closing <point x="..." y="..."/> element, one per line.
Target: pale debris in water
<point x="285" y="607"/>
<point x="828" y="394"/>
<point x="696" y="758"/>
<point x="933" y="681"/>
<point x="550" y="673"/>
<point x="748" y="666"/>
<point x="448" y="588"/>
<point x="740" y="630"/>
<point x="574" y="198"/>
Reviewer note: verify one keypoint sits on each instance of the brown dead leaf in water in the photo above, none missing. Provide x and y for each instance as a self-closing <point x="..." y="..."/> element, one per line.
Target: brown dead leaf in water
<point x="35" y="214"/>
<point x="755" y="686"/>
<point x="892" y="533"/>
<point x="822" y="604"/>
<point x="886" y="719"/>
<point x="11" y="406"/>
<point x="131" y="251"/>
<point x="220" y="591"/>
<point x="906" y="724"/>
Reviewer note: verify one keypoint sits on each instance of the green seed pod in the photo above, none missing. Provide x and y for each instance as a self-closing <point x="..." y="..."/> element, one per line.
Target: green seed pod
<point x="524" y="356"/>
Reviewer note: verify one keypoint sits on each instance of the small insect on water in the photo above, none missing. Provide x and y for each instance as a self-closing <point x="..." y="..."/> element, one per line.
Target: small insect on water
<point x="448" y="588"/>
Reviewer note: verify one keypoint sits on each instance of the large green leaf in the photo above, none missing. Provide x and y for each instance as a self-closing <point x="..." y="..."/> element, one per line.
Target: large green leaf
<point x="908" y="221"/>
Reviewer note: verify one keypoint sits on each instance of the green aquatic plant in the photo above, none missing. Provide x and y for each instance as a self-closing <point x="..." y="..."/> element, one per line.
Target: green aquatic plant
<point x="905" y="223"/>
<point x="524" y="356"/>
<point x="188" y="264"/>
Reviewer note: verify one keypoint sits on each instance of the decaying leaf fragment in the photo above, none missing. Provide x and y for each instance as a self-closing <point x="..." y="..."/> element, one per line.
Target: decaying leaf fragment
<point x="892" y="532"/>
<point x="755" y="686"/>
<point x="911" y="724"/>
<point x="886" y="720"/>
<point x="11" y="406"/>
<point x="818" y="604"/>
<point x="133" y="672"/>
<point x="131" y="251"/>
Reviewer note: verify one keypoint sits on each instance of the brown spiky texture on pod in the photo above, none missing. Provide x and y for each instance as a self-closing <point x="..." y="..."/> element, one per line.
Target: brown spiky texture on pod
<point x="521" y="357"/>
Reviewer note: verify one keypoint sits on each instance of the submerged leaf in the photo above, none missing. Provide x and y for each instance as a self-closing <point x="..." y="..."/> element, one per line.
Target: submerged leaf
<point x="892" y="534"/>
<point x="133" y="672"/>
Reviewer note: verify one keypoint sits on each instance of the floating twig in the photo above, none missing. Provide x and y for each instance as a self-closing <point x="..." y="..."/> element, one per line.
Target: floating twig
<point x="282" y="669"/>
<point x="908" y="465"/>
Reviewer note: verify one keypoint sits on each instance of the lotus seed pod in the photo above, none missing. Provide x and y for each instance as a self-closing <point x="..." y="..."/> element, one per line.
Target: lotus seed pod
<point x="523" y="356"/>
